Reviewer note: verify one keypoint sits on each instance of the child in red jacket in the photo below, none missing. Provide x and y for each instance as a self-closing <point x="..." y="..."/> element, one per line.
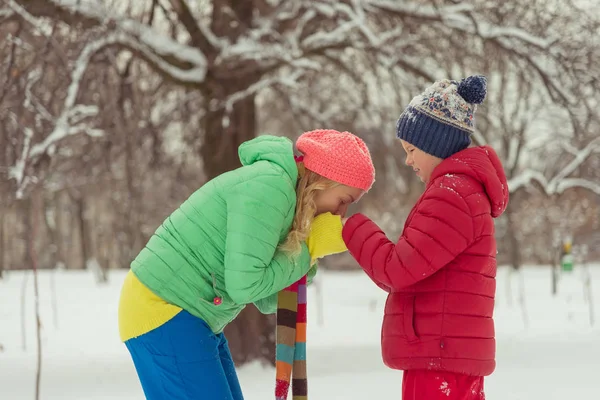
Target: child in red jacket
<point x="440" y="274"/>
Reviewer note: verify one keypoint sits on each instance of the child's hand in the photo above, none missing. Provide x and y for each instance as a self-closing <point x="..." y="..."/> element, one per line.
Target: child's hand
<point x="325" y="236"/>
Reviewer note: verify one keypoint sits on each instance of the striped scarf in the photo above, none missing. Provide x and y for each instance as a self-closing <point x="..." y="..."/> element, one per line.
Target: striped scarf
<point x="291" y="342"/>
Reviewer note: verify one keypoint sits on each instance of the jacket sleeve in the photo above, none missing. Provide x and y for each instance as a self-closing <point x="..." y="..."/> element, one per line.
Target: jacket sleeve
<point x="268" y="305"/>
<point x="440" y="229"/>
<point x="254" y="266"/>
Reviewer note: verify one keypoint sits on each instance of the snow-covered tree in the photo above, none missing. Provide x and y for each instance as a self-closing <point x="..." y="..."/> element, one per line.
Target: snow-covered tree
<point x="230" y="50"/>
<point x="352" y="63"/>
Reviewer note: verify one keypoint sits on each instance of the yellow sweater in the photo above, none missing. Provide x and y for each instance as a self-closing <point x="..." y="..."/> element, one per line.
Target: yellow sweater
<point x="141" y="311"/>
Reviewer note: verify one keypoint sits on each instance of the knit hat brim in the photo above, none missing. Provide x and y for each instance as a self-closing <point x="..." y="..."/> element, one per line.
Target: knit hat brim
<point x="339" y="156"/>
<point x="431" y="135"/>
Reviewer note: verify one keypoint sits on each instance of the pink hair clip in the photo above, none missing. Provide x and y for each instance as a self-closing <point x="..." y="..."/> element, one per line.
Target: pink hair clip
<point x="299" y="158"/>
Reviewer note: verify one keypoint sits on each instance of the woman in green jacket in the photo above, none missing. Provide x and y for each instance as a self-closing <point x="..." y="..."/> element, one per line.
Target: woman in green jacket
<point x="239" y="239"/>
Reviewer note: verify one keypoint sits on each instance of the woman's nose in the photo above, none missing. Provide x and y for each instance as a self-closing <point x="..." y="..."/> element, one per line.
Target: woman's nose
<point x="341" y="211"/>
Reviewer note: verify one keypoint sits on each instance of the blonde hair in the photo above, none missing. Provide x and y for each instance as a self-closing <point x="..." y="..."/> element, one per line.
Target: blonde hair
<point x="309" y="184"/>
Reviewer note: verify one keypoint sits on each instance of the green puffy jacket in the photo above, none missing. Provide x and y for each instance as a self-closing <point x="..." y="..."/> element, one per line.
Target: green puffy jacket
<point x="222" y="241"/>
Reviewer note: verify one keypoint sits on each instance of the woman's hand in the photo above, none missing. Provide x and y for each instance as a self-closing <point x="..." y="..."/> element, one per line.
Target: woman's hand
<point x="325" y="236"/>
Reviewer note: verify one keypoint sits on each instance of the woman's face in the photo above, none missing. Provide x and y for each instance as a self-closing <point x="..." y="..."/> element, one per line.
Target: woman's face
<point x="422" y="163"/>
<point x="337" y="199"/>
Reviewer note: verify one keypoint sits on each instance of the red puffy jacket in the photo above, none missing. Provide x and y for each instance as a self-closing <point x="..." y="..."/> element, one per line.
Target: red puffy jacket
<point x="440" y="275"/>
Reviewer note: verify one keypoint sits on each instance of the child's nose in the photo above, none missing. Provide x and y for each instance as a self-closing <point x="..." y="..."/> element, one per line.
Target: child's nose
<point x="408" y="161"/>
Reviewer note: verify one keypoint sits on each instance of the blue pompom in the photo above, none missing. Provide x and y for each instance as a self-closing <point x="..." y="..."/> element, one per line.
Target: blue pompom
<point x="473" y="89"/>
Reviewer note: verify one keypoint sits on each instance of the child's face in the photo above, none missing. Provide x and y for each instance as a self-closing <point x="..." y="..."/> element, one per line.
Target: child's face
<point x="337" y="199"/>
<point x="422" y="163"/>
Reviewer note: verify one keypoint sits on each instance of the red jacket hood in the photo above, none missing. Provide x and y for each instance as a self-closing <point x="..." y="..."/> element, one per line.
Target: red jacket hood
<point x="482" y="164"/>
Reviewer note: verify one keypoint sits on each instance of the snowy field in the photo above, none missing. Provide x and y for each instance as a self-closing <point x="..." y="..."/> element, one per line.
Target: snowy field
<point x="555" y="356"/>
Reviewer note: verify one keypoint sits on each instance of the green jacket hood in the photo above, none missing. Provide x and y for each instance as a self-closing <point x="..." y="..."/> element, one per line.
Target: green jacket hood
<point x="275" y="149"/>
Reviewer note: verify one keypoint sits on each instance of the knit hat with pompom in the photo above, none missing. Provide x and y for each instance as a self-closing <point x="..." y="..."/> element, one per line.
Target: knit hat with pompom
<point x="440" y="121"/>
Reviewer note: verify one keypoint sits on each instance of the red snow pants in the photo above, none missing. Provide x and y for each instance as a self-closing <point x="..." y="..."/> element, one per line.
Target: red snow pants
<point x="437" y="385"/>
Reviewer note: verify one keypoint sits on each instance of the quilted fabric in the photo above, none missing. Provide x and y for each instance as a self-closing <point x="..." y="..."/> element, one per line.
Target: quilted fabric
<point x="440" y="275"/>
<point x="218" y="251"/>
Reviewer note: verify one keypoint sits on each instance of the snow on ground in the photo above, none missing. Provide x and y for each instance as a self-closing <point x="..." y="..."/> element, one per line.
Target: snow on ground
<point x="555" y="356"/>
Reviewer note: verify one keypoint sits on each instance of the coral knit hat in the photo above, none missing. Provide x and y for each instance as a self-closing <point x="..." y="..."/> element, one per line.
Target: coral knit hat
<point x="339" y="156"/>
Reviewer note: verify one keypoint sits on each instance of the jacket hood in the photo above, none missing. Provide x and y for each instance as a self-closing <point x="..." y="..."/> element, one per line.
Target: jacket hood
<point x="275" y="149"/>
<point x="482" y="164"/>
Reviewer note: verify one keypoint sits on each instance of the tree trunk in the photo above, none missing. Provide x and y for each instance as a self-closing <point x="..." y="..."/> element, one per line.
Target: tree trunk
<point x="25" y="208"/>
<point x="133" y="202"/>
<point x="224" y="131"/>
<point x="134" y="198"/>
<point x="35" y="207"/>
<point x="513" y="242"/>
<point x="2" y="245"/>
<point x="251" y="334"/>
<point x="51" y="203"/>
<point x="83" y="231"/>
<point x="4" y="209"/>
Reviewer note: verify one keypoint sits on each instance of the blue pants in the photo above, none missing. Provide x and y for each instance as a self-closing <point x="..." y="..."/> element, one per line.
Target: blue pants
<point x="184" y="360"/>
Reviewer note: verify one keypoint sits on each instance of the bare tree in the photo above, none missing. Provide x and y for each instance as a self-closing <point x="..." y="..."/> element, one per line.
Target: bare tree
<point x="214" y="59"/>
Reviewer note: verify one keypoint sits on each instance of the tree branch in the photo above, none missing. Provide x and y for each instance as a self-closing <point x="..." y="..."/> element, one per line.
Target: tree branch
<point x="202" y="37"/>
<point x="176" y="61"/>
<point x="560" y="182"/>
<point x="74" y="12"/>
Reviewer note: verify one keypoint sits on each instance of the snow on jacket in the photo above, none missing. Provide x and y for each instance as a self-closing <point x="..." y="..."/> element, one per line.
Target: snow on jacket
<point x="440" y="275"/>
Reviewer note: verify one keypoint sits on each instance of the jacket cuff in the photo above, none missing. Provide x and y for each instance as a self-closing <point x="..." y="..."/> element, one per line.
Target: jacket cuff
<point x="351" y="225"/>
